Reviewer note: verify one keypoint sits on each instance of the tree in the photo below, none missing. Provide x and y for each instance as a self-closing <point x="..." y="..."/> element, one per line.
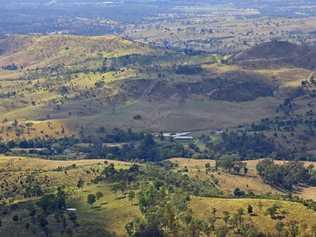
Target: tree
<point x="51" y="202"/>
<point x="273" y="211"/>
<point x="99" y="195"/>
<point x="80" y="183"/>
<point x="222" y="231"/>
<point x="60" y="198"/>
<point x="238" y="192"/>
<point x="211" y="220"/>
<point x="131" y="196"/>
<point x="240" y="213"/>
<point x="245" y="170"/>
<point x="286" y="175"/>
<point x="227" y="162"/>
<point x="195" y="227"/>
<point x="226" y="217"/>
<point x="250" y="209"/>
<point x="279" y="226"/>
<point x="207" y="167"/>
<point x="15" y="218"/>
<point x="293" y="228"/>
<point x="91" y="199"/>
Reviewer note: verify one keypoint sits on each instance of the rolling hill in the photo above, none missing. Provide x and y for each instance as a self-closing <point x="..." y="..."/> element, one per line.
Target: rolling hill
<point x="57" y="85"/>
<point x="114" y="209"/>
<point x="72" y="80"/>
<point x="30" y="52"/>
<point x="276" y="54"/>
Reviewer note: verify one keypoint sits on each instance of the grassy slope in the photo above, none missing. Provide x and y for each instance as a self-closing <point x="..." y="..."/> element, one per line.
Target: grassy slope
<point x="227" y="182"/>
<point x="110" y="213"/>
<point x="77" y="52"/>
<point x="113" y="211"/>
<point x="44" y="51"/>
<point x="74" y="52"/>
<point x="296" y="212"/>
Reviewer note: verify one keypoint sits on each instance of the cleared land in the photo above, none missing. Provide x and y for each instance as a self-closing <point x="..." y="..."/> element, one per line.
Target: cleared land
<point x="294" y="212"/>
<point x="59" y="80"/>
<point x="113" y="210"/>
<point x="228" y="182"/>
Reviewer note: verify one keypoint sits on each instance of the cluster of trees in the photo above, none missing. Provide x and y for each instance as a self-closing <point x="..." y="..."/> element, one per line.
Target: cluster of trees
<point x="110" y="144"/>
<point x="232" y="164"/>
<point x="43" y="217"/>
<point x="167" y="213"/>
<point x="116" y="135"/>
<point x="307" y="88"/>
<point x="285" y="123"/>
<point x="23" y="184"/>
<point x="163" y="197"/>
<point x="188" y="69"/>
<point x="162" y="175"/>
<point x="41" y="146"/>
<point x="287" y="175"/>
<point x="11" y="67"/>
<point x="145" y="148"/>
<point x="246" y="145"/>
<point x="116" y="63"/>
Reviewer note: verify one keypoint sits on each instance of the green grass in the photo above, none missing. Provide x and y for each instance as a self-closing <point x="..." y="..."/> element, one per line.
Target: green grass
<point x="228" y="182"/>
<point x="294" y="211"/>
<point x="111" y="212"/>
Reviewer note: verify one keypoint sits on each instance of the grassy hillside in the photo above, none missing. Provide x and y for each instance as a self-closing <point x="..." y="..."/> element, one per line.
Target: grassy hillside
<point x="114" y="209"/>
<point x="227" y="182"/>
<point x="71" y="80"/>
<point x="30" y="52"/>
<point x="276" y="54"/>
<point x="50" y="174"/>
<point x="294" y="212"/>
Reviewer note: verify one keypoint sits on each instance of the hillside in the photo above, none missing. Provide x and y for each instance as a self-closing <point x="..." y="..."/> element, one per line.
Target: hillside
<point x="158" y="118"/>
<point x="227" y="182"/>
<point x="276" y="54"/>
<point x="117" y="205"/>
<point x="30" y="52"/>
<point x="66" y="81"/>
<point x="60" y="86"/>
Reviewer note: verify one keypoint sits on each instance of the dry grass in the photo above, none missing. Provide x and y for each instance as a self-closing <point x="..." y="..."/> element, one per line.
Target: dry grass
<point x="308" y="193"/>
<point x="28" y="163"/>
<point x="111" y="212"/>
<point x="38" y="129"/>
<point x="42" y="51"/>
<point x="228" y="182"/>
<point x="296" y="212"/>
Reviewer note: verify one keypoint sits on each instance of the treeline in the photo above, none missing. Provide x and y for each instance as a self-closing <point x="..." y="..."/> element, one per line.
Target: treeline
<point x="231" y="164"/>
<point x="111" y="144"/>
<point x="287" y="123"/>
<point x="288" y="175"/>
<point x="161" y="175"/>
<point x="168" y="214"/>
<point x="246" y="145"/>
<point x="250" y="144"/>
<point x="147" y="149"/>
<point x="43" y="217"/>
